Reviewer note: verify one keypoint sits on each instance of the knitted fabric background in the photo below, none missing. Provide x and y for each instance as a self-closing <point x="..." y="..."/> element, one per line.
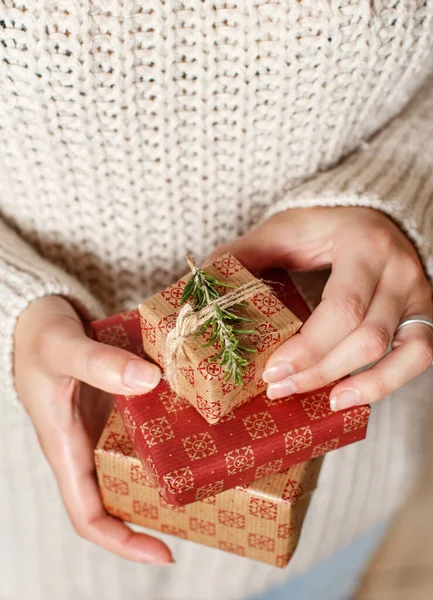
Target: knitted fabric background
<point x="132" y="131"/>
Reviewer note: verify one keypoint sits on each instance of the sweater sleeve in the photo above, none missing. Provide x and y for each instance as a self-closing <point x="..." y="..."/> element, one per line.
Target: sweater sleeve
<point x="393" y="173"/>
<point x="24" y="277"/>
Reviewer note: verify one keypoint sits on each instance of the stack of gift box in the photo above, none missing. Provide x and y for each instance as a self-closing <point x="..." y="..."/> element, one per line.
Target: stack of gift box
<point x="214" y="462"/>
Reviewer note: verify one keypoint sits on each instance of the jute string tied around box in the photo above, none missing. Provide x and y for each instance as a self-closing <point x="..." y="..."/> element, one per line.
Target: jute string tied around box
<point x="189" y="322"/>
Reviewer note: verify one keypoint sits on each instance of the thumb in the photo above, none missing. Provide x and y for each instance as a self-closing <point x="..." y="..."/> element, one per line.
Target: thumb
<point x="69" y="352"/>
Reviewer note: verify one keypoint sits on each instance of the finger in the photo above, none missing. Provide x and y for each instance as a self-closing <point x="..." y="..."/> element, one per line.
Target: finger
<point x="346" y="299"/>
<point x="367" y="344"/>
<point x="410" y="358"/>
<point x="257" y="250"/>
<point x="84" y="506"/>
<point x="70" y="454"/>
<point x="289" y="239"/>
<point x="95" y="408"/>
<point x="68" y="351"/>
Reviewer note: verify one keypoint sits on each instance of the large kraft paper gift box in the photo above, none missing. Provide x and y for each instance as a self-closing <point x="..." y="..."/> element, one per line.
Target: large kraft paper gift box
<point x="261" y="520"/>
<point x="198" y="379"/>
<point x="190" y="459"/>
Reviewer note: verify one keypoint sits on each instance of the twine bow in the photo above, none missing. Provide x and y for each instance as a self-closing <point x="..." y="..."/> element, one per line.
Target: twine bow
<point x="189" y="322"/>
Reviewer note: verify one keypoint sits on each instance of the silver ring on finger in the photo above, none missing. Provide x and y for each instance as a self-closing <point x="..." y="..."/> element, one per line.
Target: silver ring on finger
<point x="415" y="319"/>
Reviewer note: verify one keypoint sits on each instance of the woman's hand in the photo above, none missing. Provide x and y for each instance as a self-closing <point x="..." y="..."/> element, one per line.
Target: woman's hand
<point x="52" y="356"/>
<point x="376" y="280"/>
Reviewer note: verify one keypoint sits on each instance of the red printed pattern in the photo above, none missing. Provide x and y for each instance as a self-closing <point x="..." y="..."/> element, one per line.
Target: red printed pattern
<point x="317" y="405"/>
<point x="115" y="485"/>
<point x="231" y="519"/>
<point x="262" y="542"/>
<point x="325" y="447"/>
<point x="212" y="410"/>
<point x="118" y="443"/>
<point x="173" y="294"/>
<point x="199" y="445"/>
<point x="172" y="402"/>
<point x="258" y="438"/>
<point x="226" y="523"/>
<point x="202" y="526"/>
<point x="173" y="530"/>
<point x="223" y="520"/>
<point x="148" y="330"/>
<point x="356" y="418"/>
<point x="167" y="323"/>
<point x="209" y="490"/>
<point x="114" y="335"/>
<point x="151" y="472"/>
<point x="260" y="425"/>
<point x="239" y="460"/>
<point x="264" y="337"/>
<point x="139" y="475"/>
<point x="130" y="315"/>
<point x="264" y="509"/>
<point x="157" y="431"/>
<point x="285" y="530"/>
<point x="180" y="480"/>
<point x="189" y="374"/>
<point x="272" y="467"/>
<point x="144" y="509"/>
<point x="178" y="509"/>
<point x="228" y="266"/>
<point x="210" y="370"/>
<point x="130" y="424"/>
<point x="232" y="547"/>
<point x="267" y="303"/>
<point x="298" y="439"/>
<point x="209" y="500"/>
<point x="292" y="491"/>
<point x="283" y="559"/>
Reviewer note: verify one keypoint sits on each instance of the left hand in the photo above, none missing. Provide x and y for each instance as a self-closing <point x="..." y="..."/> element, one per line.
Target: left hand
<point x="65" y="381"/>
<point x="376" y="281"/>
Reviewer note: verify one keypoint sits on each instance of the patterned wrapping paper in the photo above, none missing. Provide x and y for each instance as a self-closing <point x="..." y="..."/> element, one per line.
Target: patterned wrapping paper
<point x="189" y="459"/>
<point x="200" y="381"/>
<point x="261" y="520"/>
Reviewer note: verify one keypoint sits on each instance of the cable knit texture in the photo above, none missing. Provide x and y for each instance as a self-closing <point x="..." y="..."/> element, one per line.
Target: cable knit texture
<point x="132" y="131"/>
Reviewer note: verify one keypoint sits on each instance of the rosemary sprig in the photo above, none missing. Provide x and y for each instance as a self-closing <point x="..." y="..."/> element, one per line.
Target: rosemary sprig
<point x="225" y="325"/>
<point x="201" y="286"/>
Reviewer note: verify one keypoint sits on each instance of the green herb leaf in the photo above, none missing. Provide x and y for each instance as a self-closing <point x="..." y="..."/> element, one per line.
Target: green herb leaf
<point x="200" y="291"/>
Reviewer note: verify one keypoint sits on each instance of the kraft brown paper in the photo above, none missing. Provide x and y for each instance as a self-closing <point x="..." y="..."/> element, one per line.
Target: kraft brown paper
<point x="202" y="382"/>
<point x="262" y="520"/>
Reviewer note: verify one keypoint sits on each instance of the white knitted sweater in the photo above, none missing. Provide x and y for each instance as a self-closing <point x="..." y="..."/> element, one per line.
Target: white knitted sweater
<point x="132" y="131"/>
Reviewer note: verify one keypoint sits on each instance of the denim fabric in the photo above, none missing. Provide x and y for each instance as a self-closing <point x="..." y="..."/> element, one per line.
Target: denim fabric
<point x="335" y="578"/>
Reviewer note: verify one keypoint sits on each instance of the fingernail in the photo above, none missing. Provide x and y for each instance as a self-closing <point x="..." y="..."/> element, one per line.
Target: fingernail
<point x="141" y="375"/>
<point x="344" y="399"/>
<point x="286" y="387"/>
<point x="278" y="371"/>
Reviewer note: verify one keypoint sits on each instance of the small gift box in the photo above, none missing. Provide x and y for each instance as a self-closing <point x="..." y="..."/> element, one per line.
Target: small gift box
<point x="189" y="459"/>
<point x="196" y="376"/>
<point x="261" y="520"/>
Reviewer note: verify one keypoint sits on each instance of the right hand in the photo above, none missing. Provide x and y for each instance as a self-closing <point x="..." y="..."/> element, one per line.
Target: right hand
<point x="53" y="356"/>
